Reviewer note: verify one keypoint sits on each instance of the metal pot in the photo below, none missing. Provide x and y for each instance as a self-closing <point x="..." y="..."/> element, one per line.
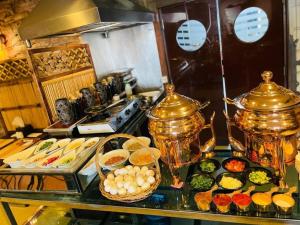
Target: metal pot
<point x="175" y="124"/>
<point x="269" y="117"/>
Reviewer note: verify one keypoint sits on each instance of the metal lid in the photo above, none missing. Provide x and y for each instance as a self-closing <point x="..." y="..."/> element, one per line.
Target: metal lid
<point x="267" y="96"/>
<point x="174" y="106"/>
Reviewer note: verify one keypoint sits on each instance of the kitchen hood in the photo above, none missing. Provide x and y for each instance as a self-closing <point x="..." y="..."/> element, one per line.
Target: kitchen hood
<point x="56" y="17"/>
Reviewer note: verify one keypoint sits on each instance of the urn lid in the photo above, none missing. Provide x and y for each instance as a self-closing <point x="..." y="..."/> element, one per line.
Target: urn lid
<point x="174" y="106"/>
<point x="268" y="96"/>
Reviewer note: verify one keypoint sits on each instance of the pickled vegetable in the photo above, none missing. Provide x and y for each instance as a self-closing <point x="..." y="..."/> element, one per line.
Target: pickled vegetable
<point x="259" y="177"/>
<point x="202" y="181"/>
<point x="207" y="166"/>
<point x="235" y="166"/>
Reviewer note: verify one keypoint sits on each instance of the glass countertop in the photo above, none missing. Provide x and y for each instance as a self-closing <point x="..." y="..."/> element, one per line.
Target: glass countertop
<point x="175" y="202"/>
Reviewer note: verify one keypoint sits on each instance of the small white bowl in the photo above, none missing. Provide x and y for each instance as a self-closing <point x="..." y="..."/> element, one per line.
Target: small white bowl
<point x="60" y="162"/>
<point x="16" y="160"/>
<point x="59" y="144"/>
<point x="73" y="145"/>
<point x="127" y="144"/>
<point x="40" y="145"/>
<point x="119" y="152"/>
<point x="144" y="157"/>
<point x="55" y="154"/>
<point x="90" y="143"/>
<point x="34" y="160"/>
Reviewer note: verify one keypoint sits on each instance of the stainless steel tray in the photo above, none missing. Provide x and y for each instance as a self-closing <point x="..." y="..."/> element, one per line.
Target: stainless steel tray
<point x="71" y="180"/>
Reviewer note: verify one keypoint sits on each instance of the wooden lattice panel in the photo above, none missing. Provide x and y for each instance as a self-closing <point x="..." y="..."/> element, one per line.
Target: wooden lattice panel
<point x="14" y="70"/>
<point x="54" y="61"/>
<point x="65" y="87"/>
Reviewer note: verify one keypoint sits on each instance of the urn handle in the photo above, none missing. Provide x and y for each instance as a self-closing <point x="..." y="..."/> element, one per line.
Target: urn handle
<point x="202" y="105"/>
<point x="234" y="143"/>
<point x="211" y="143"/>
<point x="229" y="101"/>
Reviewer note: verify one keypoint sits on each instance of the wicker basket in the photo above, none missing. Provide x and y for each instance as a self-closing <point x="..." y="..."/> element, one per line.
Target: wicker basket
<point x="127" y="197"/>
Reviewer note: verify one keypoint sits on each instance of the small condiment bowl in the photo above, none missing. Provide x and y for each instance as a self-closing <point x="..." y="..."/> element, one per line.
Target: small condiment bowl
<point x="237" y="176"/>
<point x="222" y="208"/>
<point x="215" y="162"/>
<point x="286" y="198"/>
<point x="189" y="179"/>
<point x="246" y="163"/>
<point x="118" y="152"/>
<point x="246" y="207"/>
<point x="263" y="208"/>
<point x="129" y="143"/>
<point x="144" y="157"/>
<point x="253" y="169"/>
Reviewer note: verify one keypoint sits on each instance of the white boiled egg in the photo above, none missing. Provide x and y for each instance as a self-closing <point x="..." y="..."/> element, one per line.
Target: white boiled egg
<point x="151" y="180"/>
<point x="131" y="189"/>
<point x="120" y="184"/>
<point x="136" y="169"/>
<point x="144" y="169"/>
<point x="119" y="178"/>
<point x="113" y="191"/>
<point x="150" y="173"/>
<point x="122" y="191"/>
<point x="140" y="180"/>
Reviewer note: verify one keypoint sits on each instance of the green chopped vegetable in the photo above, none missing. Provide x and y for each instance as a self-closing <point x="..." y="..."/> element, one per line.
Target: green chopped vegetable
<point x="46" y="145"/>
<point x="207" y="166"/>
<point x="259" y="177"/>
<point x="202" y="181"/>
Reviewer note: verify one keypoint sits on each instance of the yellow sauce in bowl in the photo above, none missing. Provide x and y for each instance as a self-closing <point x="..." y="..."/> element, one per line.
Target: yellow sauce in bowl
<point x="283" y="200"/>
<point x="262" y="199"/>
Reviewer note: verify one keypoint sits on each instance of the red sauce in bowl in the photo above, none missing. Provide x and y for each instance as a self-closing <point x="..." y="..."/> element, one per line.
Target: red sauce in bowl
<point x="241" y="199"/>
<point x="222" y="200"/>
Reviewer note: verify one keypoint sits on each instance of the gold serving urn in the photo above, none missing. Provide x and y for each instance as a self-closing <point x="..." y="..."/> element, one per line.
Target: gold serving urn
<point x="175" y="124"/>
<point x="269" y="118"/>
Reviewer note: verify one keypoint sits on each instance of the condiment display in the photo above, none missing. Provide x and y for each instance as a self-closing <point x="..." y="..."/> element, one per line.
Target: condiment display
<point x="268" y="117"/>
<point x="223" y="201"/>
<point x="209" y="165"/>
<point x="235" y="165"/>
<point x="126" y="183"/>
<point x="201" y="182"/>
<point x="51" y="153"/>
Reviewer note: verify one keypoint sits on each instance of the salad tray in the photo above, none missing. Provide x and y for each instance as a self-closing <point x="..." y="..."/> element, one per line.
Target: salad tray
<point x="38" y="177"/>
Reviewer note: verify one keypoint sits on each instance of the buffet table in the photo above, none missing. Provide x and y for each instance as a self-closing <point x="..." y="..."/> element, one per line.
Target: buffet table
<point x="178" y="202"/>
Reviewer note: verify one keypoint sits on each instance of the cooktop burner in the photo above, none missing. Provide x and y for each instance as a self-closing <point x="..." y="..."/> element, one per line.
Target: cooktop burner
<point x="110" y="120"/>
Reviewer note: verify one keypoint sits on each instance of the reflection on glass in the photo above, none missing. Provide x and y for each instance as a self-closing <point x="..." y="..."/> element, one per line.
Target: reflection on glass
<point x="251" y="24"/>
<point x="191" y="35"/>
